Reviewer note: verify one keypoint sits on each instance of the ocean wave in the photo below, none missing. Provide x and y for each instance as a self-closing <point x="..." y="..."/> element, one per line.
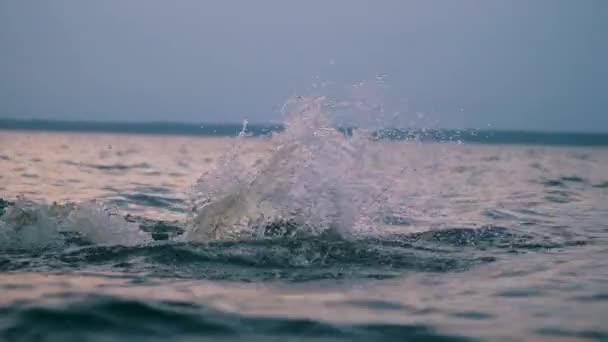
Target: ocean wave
<point x="56" y="238"/>
<point x="102" y="318"/>
<point x="31" y="225"/>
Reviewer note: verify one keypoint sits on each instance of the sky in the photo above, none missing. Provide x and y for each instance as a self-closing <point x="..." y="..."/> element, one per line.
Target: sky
<point x="512" y="64"/>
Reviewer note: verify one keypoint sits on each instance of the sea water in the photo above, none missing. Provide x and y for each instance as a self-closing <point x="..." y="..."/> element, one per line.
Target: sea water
<point x="310" y="233"/>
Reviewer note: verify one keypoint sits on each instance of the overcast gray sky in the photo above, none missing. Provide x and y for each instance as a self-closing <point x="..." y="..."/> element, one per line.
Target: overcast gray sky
<point x="531" y="64"/>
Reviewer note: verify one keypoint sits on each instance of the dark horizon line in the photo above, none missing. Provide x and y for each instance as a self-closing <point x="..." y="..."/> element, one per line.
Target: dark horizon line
<point x="483" y="136"/>
<point x="8" y="121"/>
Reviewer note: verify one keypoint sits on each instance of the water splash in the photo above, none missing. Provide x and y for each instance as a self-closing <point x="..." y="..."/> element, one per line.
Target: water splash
<point x="30" y="225"/>
<point x="314" y="180"/>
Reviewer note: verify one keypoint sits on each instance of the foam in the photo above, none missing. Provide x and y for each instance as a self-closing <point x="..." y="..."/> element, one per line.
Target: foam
<point x="28" y="225"/>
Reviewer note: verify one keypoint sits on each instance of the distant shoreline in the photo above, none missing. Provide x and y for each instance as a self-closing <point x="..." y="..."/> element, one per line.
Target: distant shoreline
<point x="506" y="137"/>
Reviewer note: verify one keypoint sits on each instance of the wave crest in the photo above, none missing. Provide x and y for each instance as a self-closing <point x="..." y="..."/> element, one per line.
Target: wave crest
<point x="27" y="225"/>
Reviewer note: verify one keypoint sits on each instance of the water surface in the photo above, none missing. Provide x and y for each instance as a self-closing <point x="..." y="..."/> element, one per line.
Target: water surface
<point x="497" y="242"/>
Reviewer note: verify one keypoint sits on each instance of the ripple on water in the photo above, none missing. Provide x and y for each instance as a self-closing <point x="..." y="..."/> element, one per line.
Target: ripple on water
<point x="473" y="315"/>
<point x="560" y="332"/>
<point x="293" y="260"/>
<point x="601" y="296"/>
<point x="602" y="185"/>
<point x="95" y="317"/>
<point x="521" y="292"/>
